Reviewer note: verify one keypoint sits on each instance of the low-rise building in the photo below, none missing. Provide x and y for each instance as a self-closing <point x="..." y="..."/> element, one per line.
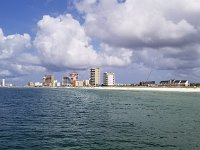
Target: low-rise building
<point x="86" y="83"/>
<point x="56" y="83"/>
<point x="147" y="83"/>
<point x="38" y="84"/>
<point x="78" y="83"/>
<point x="173" y="82"/>
<point x="30" y="84"/>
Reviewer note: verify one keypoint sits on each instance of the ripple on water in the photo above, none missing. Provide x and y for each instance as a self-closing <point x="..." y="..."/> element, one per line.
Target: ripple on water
<point x="98" y="119"/>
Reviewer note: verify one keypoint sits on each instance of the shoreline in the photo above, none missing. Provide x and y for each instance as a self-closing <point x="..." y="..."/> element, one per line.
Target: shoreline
<point x="158" y="89"/>
<point x="161" y="89"/>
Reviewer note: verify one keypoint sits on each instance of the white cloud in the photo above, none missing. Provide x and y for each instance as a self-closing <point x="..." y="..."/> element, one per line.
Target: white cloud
<point x="16" y="58"/>
<point x="62" y="43"/>
<point x="114" y="56"/>
<point x="134" y="23"/>
<point x="163" y="35"/>
<point x="12" y="45"/>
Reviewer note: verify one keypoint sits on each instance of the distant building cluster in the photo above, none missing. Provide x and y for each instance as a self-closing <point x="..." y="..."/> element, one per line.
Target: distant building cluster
<point x="175" y="83"/>
<point x="108" y="79"/>
<point x="72" y="80"/>
<point x="171" y="82"/>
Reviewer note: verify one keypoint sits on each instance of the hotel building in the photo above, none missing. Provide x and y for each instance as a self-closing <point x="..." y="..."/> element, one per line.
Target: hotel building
<point x="108" y="79"/>
<point x="48" y="80"/>
<point x="95" y="76"/>
<point x="73" y="77"/>
<point x="66" y="81"/>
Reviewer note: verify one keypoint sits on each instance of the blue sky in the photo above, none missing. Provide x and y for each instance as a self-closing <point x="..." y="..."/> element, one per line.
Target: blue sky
<point x="22" y="15"/>
<point x="130" y="38"/>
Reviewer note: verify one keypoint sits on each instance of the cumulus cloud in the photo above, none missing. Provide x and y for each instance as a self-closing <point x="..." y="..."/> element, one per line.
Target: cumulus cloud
<point x="15" y="55"/>
<point x="163" y="35"/>
<point x="60" y="44"/>
<point x="134" y="23"/>
<point x="12" y="45"/>
<point x="63" y="44"/>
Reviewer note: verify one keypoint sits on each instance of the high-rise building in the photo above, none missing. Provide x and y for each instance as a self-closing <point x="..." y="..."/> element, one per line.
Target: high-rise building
<point x="66" y="81"/>
<point x="108" y="79"/>
<point x="48" y="80"/>
<point x="95" y="76"/>
<point x="74" y="77"/>
<point x="3" y="82"/>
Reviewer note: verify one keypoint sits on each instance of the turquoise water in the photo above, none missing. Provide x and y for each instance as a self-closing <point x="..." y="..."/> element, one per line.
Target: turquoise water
<point x="72" y="119"/>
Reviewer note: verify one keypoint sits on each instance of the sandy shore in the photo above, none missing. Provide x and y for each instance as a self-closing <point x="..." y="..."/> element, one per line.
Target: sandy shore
<point x="163" y="89"/>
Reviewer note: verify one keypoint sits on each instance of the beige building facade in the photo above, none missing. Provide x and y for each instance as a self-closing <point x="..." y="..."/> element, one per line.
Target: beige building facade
<point x="95" y="76"/>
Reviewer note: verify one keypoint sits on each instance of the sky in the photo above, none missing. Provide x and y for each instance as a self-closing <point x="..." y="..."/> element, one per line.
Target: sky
<point x="138" y="40"/>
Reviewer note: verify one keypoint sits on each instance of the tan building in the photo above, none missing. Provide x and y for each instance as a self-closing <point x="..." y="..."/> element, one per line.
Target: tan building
<point x="78" y="83"/>
<point x="48" y="80"/>
<point x="30" y="84"/>
<point x="95" y="76"/>
<point x="86" y="83"/>
<point x="73" y="76"/>
<point x="108" y="79"/>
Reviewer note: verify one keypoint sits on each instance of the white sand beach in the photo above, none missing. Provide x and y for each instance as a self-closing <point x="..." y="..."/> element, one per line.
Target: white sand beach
<point x="163" y="89"/>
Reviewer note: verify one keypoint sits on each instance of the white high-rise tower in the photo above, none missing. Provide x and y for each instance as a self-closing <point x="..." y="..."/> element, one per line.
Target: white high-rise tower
<point x="109" y="79"/>
<point x="3" y="82"/>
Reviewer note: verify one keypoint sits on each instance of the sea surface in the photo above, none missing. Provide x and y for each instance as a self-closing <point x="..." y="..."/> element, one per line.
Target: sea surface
<point x="80" y="119"/>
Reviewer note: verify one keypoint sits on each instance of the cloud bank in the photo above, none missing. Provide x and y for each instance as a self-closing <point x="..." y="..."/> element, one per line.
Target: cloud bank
<point x="63" y="44"/>
<point x="15" y="57"/>
<point x="163" y="35"/>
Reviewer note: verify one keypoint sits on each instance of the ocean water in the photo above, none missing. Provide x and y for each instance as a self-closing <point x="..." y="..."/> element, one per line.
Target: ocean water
<point x="73" y="119"/>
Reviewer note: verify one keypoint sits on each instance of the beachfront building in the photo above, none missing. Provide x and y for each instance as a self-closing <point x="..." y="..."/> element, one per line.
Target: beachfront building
<point x="48" y="80"/>
<point x="3" y="83"/>
<point x="30" y="84"/>
<point x="56" y="83"/>
<point x="95" y="76"/>
<point x="173" y="82"/>
<point x="66" y="81"/>
<point x="78" y="83"/>
<point x="73" y="77"/>
<point x="86" y="83"/>
<point x="147" y="83"/>
<point x="183" y="83"/>
<point x="38" y="84"/>
<point x="108" y="79"/>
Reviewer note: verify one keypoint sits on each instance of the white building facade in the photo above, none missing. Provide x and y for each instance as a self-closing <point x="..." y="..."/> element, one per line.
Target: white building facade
<point x="108" y="79"/>
<point x="3" y="83"/>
